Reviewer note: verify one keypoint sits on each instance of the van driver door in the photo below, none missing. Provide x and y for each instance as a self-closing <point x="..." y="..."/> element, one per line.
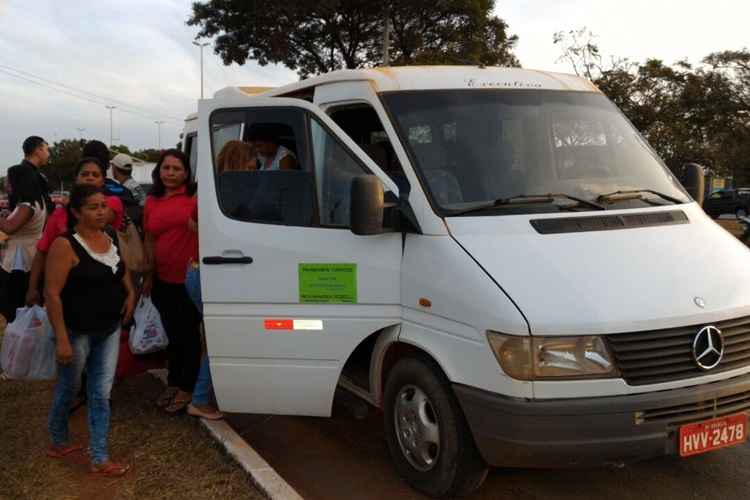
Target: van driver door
<point x="288" y="290"/>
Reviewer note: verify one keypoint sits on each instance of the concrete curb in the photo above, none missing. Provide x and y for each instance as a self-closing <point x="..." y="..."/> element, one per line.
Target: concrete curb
<point x="262" y="474"/>
<point x="265" y="478"/>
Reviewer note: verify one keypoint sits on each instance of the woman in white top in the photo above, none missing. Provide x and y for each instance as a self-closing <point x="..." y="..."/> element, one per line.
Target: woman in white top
<point x="23" y="228"/>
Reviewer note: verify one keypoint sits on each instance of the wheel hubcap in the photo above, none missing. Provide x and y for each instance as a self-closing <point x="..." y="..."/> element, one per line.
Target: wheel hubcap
<point x="417" y="428"/>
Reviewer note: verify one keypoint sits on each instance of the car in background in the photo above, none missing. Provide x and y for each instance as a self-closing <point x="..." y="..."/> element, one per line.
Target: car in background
<point x="728" y="201"/>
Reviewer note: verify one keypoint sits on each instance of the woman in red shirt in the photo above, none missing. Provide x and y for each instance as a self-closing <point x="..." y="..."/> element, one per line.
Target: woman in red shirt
<point x="88" y="171"/>
<point x="171" y="241"/>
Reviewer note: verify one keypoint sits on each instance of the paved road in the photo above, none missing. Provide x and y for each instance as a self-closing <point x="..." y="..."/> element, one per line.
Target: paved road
<point x="345" y="458"/>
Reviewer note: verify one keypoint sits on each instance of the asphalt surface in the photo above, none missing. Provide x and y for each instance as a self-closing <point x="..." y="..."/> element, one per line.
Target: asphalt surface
<point x="346" y="458"/>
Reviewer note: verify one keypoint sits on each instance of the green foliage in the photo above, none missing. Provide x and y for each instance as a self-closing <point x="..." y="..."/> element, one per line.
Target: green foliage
<point x="64" y="156"/>
<point x="119" y="148"/>
<point x="687" y="113"/>
<point x="318" y="36"/>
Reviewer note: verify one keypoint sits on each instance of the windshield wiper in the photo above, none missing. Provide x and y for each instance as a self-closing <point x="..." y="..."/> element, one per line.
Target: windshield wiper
<point x="529" y="199"/>
<point x="632" y="194"/>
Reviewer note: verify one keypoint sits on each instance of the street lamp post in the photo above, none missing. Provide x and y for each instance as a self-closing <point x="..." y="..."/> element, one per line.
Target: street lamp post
<point x="158" y="132"/>
<point x="110" y="108"/>
<point x="201" y="45"/>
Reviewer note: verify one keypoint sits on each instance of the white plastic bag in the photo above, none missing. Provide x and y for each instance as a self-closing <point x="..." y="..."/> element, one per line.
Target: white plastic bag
<point x="25" y="350"/>
<point x="148" y="335"/>
<point x="44" y="361"/>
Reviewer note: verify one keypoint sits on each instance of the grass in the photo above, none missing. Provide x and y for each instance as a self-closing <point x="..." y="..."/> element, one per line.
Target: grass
<point x="172" y="457"/>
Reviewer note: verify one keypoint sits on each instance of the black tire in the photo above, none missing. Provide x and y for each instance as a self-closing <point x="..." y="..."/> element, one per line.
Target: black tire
<point x="458" y="468"/>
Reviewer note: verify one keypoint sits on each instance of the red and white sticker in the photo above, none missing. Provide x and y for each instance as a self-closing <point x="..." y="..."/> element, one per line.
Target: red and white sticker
<point x="293" y="324"/>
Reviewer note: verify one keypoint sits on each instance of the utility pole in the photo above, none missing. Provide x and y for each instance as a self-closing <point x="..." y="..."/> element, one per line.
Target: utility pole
<point x="158" y="132"/>
<point x="201" y="45"/>
<point x="387" y="36"/>
<point x="110" y="108"/>
<point x="81" y="131"/>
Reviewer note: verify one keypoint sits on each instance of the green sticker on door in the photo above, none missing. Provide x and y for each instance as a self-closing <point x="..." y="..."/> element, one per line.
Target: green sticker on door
<point x="328" y="283"/>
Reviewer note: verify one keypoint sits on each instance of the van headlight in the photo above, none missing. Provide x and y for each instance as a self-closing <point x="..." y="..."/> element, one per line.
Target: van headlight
<point x="539" y="358"/>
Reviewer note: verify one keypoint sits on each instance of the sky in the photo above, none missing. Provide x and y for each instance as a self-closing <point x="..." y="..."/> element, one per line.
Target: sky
<point x="138" y="55"/>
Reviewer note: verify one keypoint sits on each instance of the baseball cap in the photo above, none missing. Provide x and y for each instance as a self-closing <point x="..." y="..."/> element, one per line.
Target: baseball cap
<point x="122" y="162"/>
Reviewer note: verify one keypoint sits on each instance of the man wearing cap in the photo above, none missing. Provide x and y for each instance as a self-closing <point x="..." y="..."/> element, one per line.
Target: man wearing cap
<point x="122" y="170"/>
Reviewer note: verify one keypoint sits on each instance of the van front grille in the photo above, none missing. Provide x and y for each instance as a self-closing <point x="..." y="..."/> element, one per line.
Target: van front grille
<point x="696" y="412"/>
<point x="654" y="357"/>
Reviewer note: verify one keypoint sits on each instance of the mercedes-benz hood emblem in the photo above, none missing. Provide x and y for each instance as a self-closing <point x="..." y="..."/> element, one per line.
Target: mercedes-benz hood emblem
<point x="708" y="347"/>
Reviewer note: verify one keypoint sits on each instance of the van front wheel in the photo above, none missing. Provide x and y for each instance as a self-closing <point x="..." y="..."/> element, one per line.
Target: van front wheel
<point x="428" y="438"/>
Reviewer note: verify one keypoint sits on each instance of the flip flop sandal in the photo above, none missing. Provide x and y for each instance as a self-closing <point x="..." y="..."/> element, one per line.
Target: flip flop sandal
<point x="112" y="469"/>
<point x="167" y="397"/>
<point x="63" y="452"/>
<point x="197" y="412"/>
<point x="177" y="406"/>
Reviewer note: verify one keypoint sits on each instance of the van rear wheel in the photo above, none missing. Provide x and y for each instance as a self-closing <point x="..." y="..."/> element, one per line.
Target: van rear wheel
<point x="427" y="435"/>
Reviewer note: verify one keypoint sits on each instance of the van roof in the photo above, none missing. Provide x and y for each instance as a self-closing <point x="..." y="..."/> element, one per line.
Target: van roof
<point x="386" y="79"/>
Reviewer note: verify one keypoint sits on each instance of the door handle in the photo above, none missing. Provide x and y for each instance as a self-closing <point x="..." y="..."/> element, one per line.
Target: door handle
<point x="218" y="260"/>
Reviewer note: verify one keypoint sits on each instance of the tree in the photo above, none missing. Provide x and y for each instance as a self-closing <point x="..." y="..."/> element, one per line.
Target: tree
<point x="64" y="156"/>
<point x="687" y="113"/>
<point x="119" y="148"/>
<point x="317" y="36"/>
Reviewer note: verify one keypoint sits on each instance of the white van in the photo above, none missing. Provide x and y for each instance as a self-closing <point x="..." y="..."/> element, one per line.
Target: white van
<point x="493" y="257"/>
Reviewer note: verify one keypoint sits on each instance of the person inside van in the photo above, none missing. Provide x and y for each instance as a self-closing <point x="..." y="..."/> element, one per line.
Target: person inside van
<point x="89" y="171"/>
<point x="271" y="154"/>
<point x="88" y="294"/>
<point x="23" y="227"/>
<point x="171" y="243"/>
<point x="236" y="156"/>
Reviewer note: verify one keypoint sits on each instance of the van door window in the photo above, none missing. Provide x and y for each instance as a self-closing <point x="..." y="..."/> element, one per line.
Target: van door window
<point x="335" y="168"/>
<point x="261" y="167"/>
<point x="362" y="124"/>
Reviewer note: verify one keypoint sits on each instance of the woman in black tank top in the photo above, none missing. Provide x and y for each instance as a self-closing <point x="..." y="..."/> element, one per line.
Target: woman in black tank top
<point x="89" y="293"/>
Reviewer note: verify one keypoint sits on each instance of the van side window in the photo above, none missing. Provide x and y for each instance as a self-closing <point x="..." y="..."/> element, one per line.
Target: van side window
<point x="261" y="167"/>
<point x="335" y="168"/>
<point x="362" y="124"/>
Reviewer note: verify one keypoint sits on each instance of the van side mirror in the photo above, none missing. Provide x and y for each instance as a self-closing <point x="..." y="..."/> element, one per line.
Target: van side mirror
<point x="367" y="205"/>
<point x="695" y="181"/>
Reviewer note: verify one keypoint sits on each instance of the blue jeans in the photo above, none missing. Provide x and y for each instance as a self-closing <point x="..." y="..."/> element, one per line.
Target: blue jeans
<point x="202" y="391"/>
<point x="98" y="355"/>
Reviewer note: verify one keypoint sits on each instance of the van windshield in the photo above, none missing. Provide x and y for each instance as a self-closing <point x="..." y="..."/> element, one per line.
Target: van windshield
<point x="474" y="147"/>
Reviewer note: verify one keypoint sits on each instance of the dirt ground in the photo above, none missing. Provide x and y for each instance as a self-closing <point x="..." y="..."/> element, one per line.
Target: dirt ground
<point x="172" y="457"/>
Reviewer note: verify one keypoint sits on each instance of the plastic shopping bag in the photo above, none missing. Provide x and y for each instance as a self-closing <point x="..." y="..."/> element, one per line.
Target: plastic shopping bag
<point x="23" y="340"/>
<point x="148" y="335"/>
<point x="44" y="361"/>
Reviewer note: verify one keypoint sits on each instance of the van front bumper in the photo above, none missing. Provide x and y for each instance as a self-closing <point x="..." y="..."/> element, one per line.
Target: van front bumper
<point x="511" y="432"/>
